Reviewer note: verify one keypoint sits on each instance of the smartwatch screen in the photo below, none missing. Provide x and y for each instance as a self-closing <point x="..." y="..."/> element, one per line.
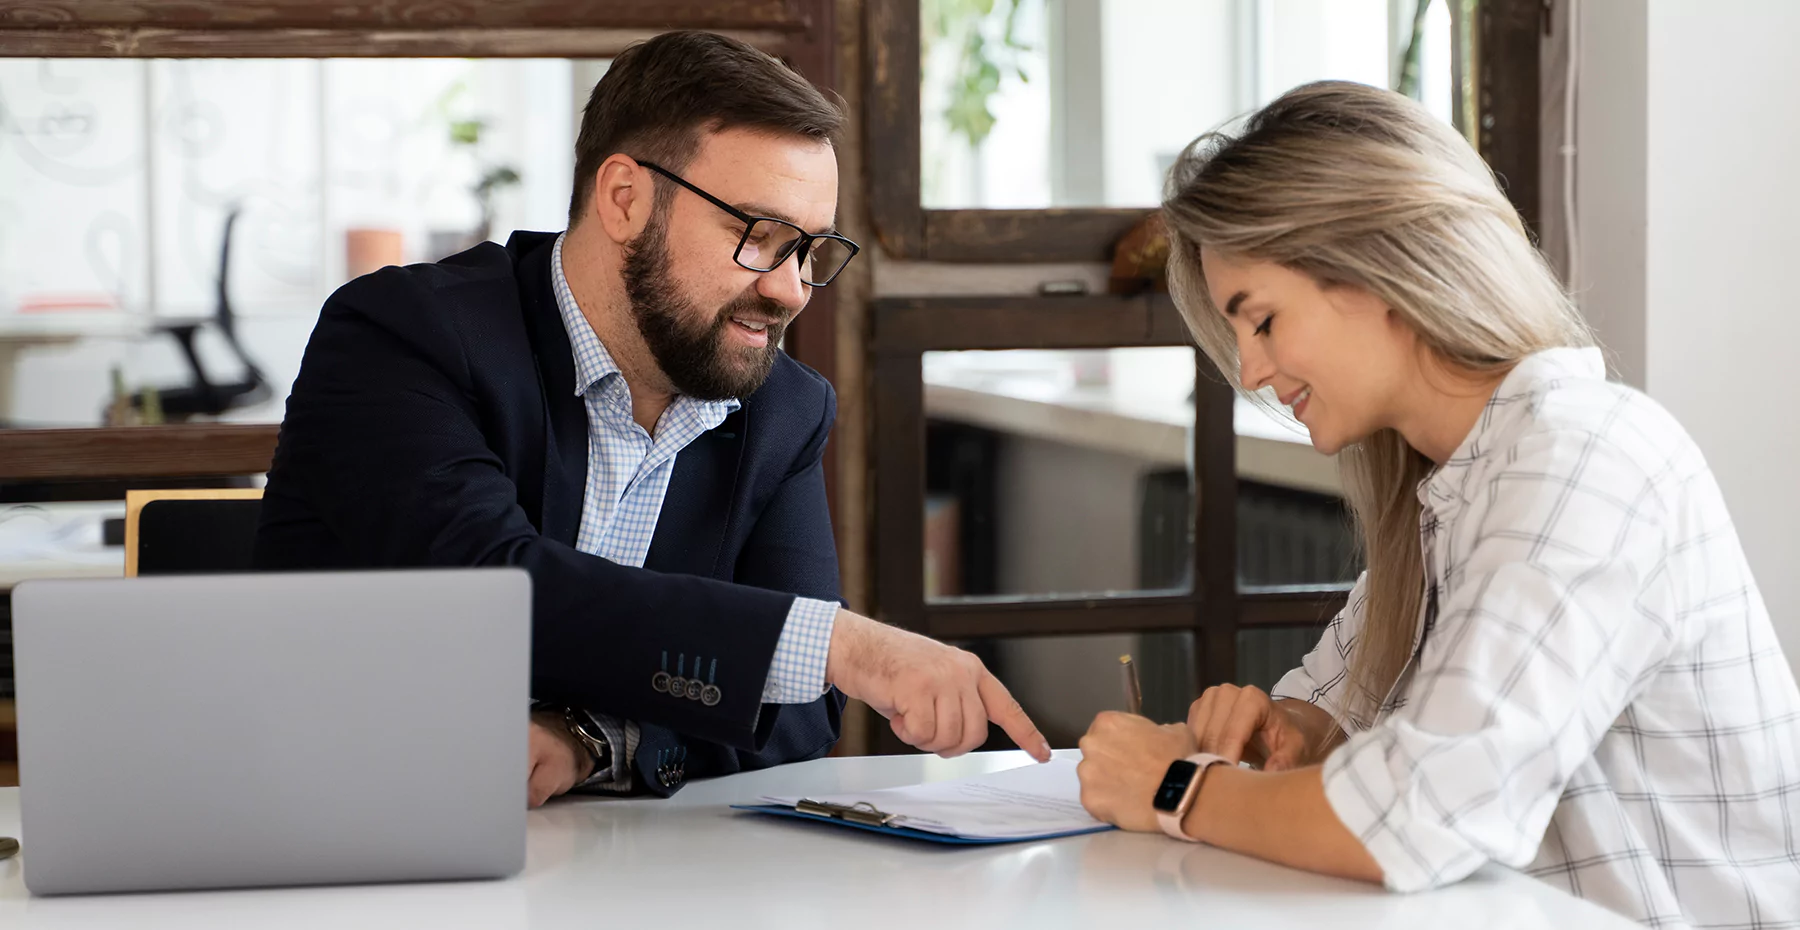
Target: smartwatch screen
<point x="1174" y="785"/>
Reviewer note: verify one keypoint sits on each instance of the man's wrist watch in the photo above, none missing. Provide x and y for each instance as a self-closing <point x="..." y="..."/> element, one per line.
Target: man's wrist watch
<point x="1180" y="785"/>
<point x="591" y="738"/>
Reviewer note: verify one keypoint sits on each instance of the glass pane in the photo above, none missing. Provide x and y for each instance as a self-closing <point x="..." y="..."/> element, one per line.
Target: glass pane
<point x="1293" y="527"/>
<point x="1040" y="103"/>
<point x="73" y="173"/>
<point x="1063" y="681"/>
<point x="1058" y="472"/>
<point x="1264" y="655"/>
<point x="116" y="178"/>
<point x="1166" y="664"/>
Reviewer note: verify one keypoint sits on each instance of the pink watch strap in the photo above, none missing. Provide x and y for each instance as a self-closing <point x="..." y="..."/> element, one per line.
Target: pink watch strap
<point x="1171" y="822"/>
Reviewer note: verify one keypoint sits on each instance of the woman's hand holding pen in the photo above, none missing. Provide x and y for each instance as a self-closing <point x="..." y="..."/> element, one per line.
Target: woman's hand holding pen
<point x="1123" y="758"/>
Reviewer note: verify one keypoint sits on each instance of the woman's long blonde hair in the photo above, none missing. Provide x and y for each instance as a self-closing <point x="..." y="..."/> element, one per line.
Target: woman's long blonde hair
<point x="1353" y="185"/>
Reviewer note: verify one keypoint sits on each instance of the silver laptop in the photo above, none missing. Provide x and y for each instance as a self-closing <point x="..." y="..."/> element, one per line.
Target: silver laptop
<point x="272" y="729"/>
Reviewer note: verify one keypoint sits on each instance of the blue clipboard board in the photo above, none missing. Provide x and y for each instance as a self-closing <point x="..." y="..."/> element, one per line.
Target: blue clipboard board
<point x="779" y="810"/>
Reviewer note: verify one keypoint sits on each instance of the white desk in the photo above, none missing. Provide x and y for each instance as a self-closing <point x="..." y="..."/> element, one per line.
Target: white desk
<point x="57" y="540"/>
<point x="691" y="861"/>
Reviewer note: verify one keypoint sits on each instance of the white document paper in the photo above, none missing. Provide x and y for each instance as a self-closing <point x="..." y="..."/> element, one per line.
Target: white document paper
<point x="1035" y="800"/>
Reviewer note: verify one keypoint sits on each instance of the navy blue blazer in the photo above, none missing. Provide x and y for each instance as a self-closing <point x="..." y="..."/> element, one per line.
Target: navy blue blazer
<point x="434" y="422"/>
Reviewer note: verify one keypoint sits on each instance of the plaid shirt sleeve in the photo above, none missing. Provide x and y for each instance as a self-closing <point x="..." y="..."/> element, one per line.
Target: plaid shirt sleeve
<point x="1550" y="624"/>
<point x="1320" y="678"/>
<point x="797" y="674"/>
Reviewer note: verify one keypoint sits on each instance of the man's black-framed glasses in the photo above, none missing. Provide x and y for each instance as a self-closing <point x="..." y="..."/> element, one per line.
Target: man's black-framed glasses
<point x="767" y="241"/>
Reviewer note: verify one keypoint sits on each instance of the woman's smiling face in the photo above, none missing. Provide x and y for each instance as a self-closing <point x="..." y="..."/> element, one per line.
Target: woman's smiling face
<point x="1335" y="354"/>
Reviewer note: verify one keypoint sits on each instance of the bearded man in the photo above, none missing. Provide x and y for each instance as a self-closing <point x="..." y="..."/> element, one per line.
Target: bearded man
<point x="609" y="408"/>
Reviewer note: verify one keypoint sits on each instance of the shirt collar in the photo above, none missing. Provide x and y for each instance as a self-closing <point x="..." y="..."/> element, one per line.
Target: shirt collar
<point x="593" y="364"/>
<point x="1443" y="487"/>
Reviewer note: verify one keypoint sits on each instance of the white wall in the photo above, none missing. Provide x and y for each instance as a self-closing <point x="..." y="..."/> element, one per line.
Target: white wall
<point x="1688" y="192"/>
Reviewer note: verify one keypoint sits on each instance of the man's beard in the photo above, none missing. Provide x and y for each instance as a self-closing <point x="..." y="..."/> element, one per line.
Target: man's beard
<point x="693" y="354"/>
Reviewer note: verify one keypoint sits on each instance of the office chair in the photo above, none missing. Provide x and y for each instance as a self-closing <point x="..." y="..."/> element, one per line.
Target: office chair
<point x="190" y="532"/>
<point x="202" y="396"/>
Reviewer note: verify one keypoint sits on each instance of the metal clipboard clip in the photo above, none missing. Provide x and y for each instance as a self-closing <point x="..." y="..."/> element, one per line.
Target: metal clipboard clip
<point x="861" y="812"/>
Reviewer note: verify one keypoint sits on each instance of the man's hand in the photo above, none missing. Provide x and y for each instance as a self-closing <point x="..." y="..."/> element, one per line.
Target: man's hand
<point x="1123" y="760"/>
<point x="936" y="697"/>
<point x="1244" y="725"/>
<point x="558" y="763"/>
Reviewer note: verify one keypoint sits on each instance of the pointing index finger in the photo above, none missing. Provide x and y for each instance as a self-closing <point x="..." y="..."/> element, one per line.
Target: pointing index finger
<point x="1005" y="711"/>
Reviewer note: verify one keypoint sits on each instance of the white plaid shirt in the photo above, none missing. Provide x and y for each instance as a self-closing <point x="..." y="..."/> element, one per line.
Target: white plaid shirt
<point x="628" y="475"/>
<point x="1596" y="694"/>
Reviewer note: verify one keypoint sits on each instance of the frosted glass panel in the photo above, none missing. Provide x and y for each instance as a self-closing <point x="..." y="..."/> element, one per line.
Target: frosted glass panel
<point x="243" y="133"/>
<point x="72" y="184"/>
<point x="116" y="178"/>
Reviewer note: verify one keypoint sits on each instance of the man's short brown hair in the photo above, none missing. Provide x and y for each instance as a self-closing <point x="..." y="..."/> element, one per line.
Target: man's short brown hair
<point x="660" y="96"/>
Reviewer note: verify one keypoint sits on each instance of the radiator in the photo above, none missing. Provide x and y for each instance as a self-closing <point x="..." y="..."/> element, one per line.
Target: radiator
<point x="1284" y="537"/>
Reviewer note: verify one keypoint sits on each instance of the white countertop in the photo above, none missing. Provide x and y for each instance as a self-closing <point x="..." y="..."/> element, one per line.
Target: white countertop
<point x="691" y="861"/>
<point x="1156" y="429"/>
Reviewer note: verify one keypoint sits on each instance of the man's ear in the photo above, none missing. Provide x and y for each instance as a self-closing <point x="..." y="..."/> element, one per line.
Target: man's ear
<point x="624" y="196"/>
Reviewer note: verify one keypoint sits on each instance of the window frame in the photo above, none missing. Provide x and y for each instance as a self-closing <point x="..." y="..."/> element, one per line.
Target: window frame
<point x="1214" y="608"/>
<point x="1506" y="101"/>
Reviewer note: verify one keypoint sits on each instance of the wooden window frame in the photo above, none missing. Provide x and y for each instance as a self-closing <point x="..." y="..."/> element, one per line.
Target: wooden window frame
<point x="1506" y="72"/>
<point x="1507" y="101"/>
<point x="799" y="31"/>
<point x="1214" y="608"/>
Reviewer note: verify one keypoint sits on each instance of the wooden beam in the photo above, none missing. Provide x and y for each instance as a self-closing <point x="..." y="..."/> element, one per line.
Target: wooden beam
<point x="922" y="324"/>
<point x="899" y="474"/>
<point x="1290" y="605"/>
<point x="1508" y="38"/>
<point x="891" y="124"/>
<point x="163" y="42"/>
<point x="1215" y="537"/>
<point x="136" y="452"/>
<point x="1059" y="616"/>
<point x="1056" y="234"/>
<point x="812" y="337"/>
<point x="784" y="15"/>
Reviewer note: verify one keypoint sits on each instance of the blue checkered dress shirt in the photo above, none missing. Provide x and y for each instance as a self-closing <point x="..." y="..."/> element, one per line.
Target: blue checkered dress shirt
<point x="628" y="475"/>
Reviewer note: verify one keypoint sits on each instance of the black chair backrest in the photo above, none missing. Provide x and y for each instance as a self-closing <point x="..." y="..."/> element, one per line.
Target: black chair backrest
<point x="195" y="537"/>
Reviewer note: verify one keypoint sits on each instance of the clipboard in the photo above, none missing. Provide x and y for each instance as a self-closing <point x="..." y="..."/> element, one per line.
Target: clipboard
<point x="867" y="817"/>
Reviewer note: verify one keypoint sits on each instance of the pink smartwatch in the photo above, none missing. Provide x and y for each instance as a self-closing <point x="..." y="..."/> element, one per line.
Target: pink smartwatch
<point x="1176" y="793"/>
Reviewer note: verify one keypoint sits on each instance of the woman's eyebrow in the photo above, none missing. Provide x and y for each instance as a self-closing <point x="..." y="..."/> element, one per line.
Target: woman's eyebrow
<point x="1237" y="300"/>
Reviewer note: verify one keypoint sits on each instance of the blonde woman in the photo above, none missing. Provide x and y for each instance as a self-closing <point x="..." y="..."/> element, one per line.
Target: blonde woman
<point x="1557" y="659"/>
